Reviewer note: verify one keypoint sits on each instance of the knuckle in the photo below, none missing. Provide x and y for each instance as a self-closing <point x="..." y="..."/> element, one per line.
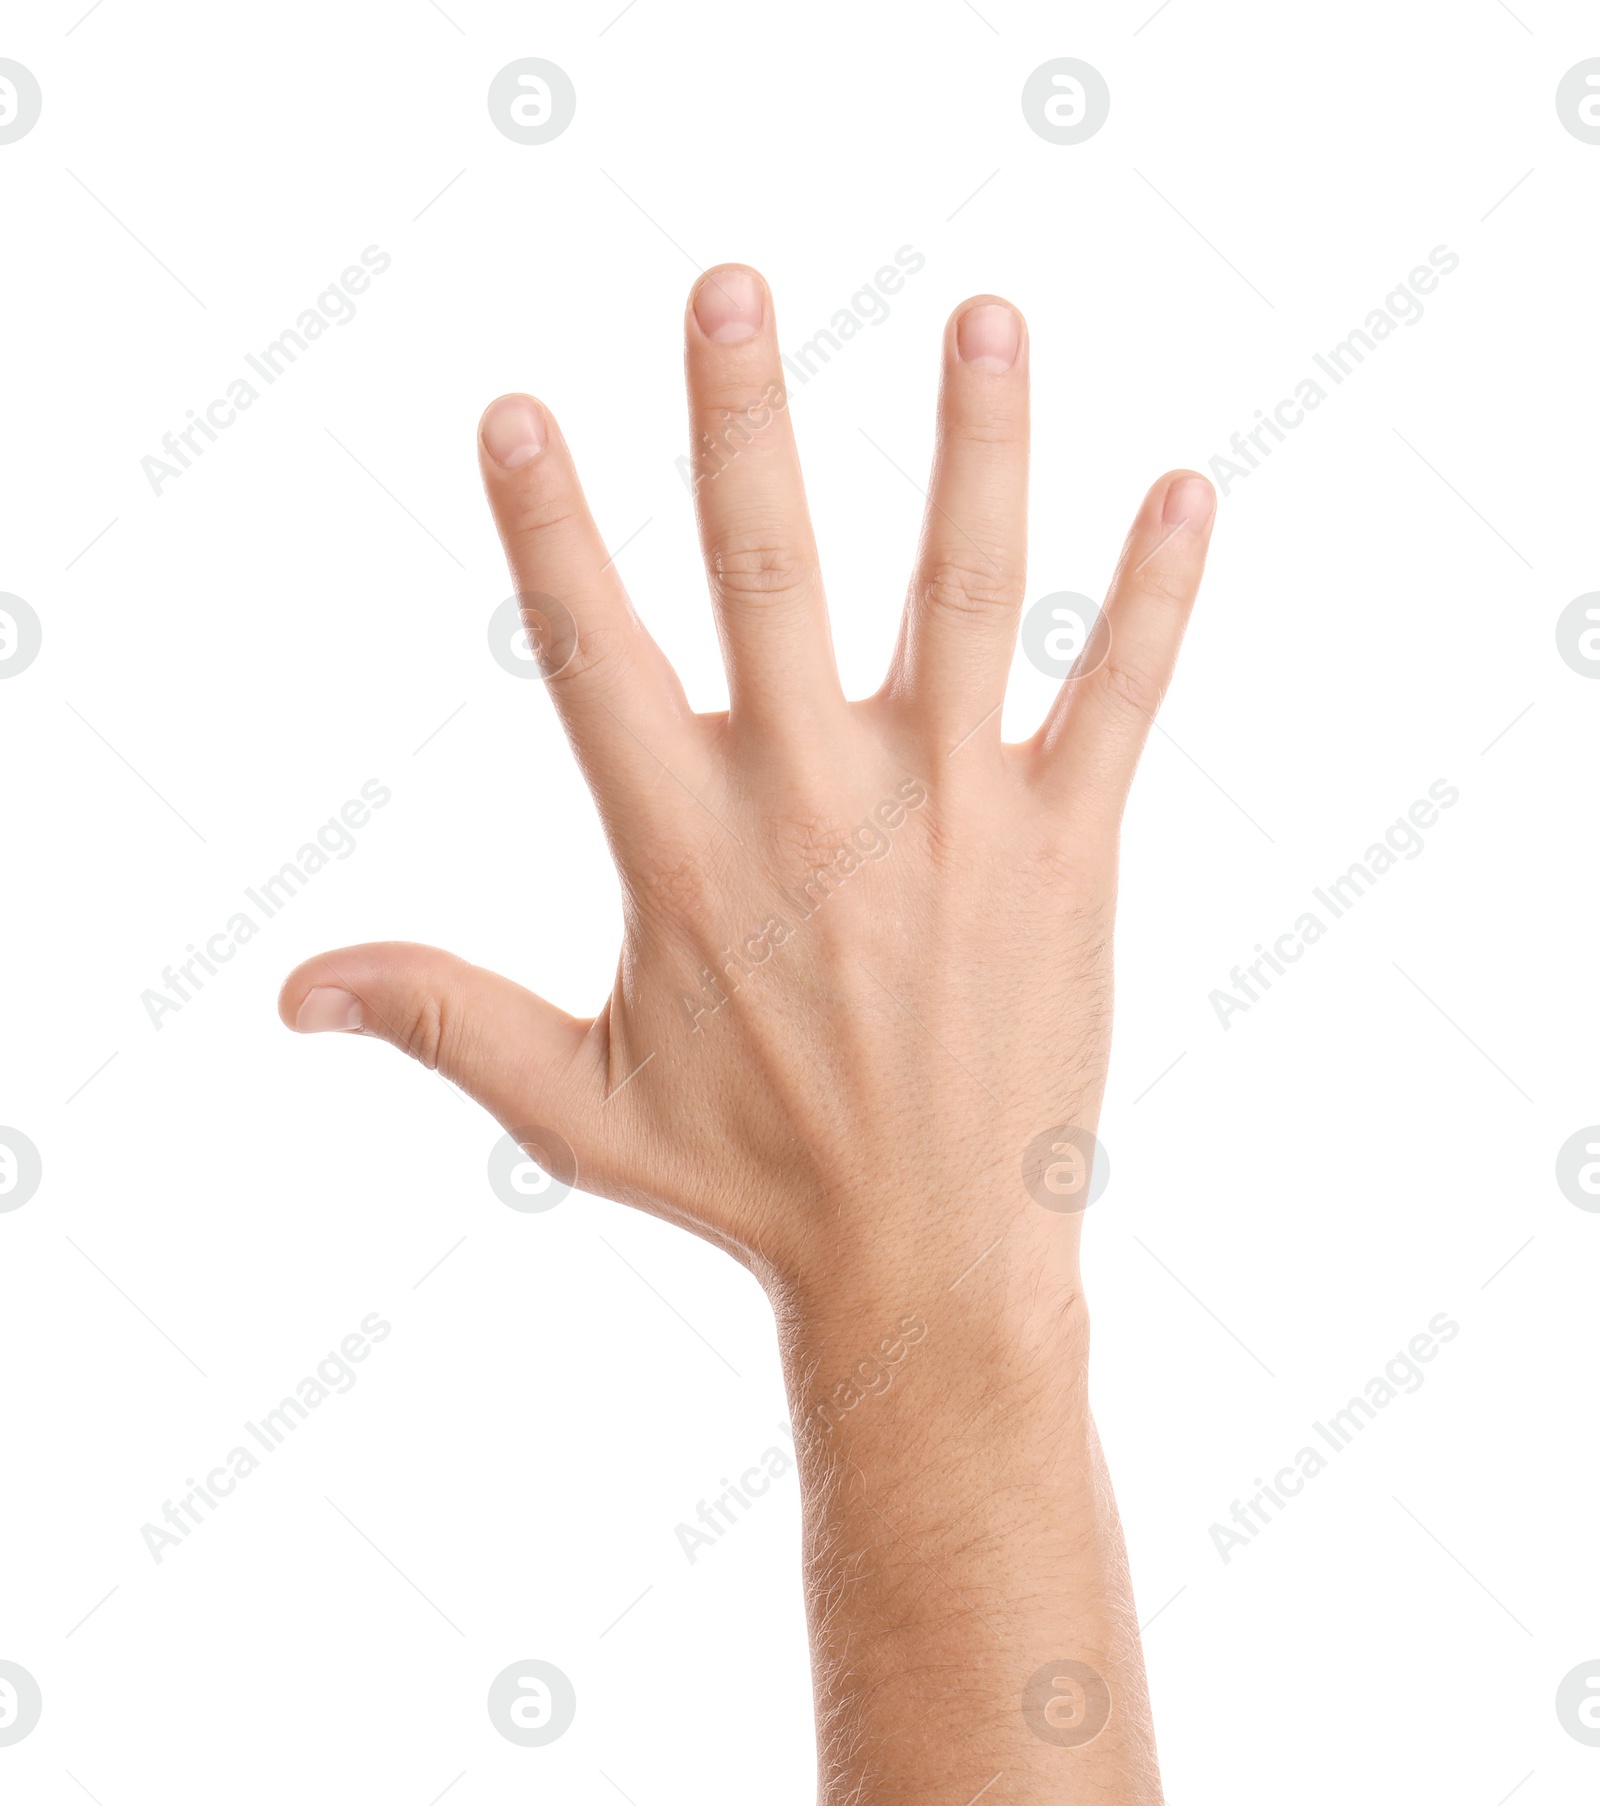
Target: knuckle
<point x="988" y="430"/>
<point x="756" y="568"/>
<point x="733" y="409"/>
<point x="965" y="584"/>
<point x="595" y="651"/>
<point x="678" y="887"/>
<point x="804" y="835"/>
<point x="422" y="1030"/>
<point x="534" y="515"/>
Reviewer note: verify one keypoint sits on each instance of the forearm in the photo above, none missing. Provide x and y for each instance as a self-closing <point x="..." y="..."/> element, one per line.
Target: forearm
<point x="967" y="1589"/>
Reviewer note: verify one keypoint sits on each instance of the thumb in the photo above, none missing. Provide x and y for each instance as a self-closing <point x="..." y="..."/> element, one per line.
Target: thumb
<point x="512" y="1051"/>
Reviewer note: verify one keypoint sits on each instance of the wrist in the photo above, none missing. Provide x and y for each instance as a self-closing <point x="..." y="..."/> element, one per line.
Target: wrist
<point x="1000" y="1357"/>
<point x="960" y="1535"/>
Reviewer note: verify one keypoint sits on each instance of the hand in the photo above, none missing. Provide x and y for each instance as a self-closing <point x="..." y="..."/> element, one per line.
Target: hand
<point x="867" y="948"/>
<point x="867" y="953"/>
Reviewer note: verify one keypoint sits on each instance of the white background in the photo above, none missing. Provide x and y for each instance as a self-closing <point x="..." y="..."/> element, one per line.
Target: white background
<point x="1336" y="1167"/>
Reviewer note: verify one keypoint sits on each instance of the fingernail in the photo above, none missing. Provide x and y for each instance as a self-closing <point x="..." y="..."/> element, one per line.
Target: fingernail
<point x="988" y="337"/>
<point x="729" y="306"/>
<point x="327" y="1007"/>
<point x="513" y="431"/>
<point x="1189" y="503"/>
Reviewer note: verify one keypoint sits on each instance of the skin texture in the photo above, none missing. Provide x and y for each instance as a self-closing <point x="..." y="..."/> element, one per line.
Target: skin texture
<point x="866" y="963"/>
